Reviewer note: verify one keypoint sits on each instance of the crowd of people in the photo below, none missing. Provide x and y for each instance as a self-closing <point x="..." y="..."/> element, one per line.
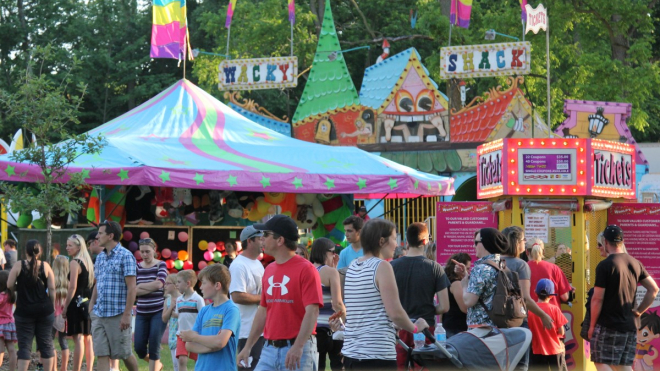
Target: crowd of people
<point x="292" y="313"/>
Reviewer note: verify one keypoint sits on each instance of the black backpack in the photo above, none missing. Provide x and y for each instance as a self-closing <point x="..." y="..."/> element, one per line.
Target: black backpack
<point x="509" y="308"/>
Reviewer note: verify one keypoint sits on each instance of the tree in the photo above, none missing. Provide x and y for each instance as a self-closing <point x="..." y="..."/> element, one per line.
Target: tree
<point x="47" y="110"/>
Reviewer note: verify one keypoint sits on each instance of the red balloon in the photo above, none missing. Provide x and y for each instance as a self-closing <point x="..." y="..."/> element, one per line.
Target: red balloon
<point x="187" y="265"/>
<point x="137" y="255"/>
<point x="166" y="253"/>
<point x="201" y="265"/>
<point x="170" y="264"/>
<point x="173" y="271"/>
<point x="211" y="247"/>
<point x="144" y="235"/>
<point x="220" y="246"/>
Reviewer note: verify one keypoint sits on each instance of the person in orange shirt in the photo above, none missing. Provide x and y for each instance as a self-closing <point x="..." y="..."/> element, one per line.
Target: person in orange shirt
<point x="547" y="348"/>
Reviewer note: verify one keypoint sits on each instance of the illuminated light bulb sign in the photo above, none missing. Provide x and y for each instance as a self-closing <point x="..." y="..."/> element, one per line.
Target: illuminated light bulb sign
<point x="486" y="60"/>
<point x="258" y="73"/>
<point x="576" y="167"/>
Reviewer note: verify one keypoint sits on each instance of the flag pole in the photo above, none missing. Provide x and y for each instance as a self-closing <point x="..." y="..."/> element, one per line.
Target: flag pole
<point x="547" y="61"/>
<point x="451" y="26"/>
<point x="228" y="35"/>
<point x="291" y="38"/>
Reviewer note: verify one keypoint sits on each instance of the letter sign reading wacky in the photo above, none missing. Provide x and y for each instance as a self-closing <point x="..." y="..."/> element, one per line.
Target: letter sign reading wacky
<point x="614" y="170"/>
<point x="485" y="60"/>
<point x="260" y="73"/>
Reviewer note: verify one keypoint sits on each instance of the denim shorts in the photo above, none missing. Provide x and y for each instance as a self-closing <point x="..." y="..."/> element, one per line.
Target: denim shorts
<point x="273" y="358"/>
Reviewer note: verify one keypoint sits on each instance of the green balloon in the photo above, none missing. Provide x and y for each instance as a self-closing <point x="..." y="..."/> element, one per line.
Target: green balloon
<point x="178" y="264"/>
<point x="39" y="223"/>
<point x="217" y="255"/>
<point x="24" y="220"/>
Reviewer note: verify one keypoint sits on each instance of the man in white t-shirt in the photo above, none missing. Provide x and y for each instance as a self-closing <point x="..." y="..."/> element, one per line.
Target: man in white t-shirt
<point x="245" y="288"/>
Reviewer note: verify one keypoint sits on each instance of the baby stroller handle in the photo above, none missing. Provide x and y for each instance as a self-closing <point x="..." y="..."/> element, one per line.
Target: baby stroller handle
<point x="442" y="349"/>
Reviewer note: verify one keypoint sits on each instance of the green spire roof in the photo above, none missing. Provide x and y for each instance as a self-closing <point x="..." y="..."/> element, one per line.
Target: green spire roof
<point x="329" y="86"/>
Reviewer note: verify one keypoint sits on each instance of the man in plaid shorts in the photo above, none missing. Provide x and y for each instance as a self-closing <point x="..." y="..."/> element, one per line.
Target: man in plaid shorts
<point x="112" y="299"/>
<point x="612" y="333"/>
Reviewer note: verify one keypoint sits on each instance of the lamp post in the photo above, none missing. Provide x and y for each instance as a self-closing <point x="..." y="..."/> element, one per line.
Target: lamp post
<point x="490" y="35"/>
<point x="196" y="52"/>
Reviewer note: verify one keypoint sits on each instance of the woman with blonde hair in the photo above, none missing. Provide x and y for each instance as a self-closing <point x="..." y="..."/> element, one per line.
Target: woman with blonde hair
<point x="61" y="274"/>
<point x="76" y="308"/>
<point x="542" y="269"/>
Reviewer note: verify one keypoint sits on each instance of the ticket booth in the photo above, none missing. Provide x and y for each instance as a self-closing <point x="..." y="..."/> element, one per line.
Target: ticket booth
<point x="559" y="190"/>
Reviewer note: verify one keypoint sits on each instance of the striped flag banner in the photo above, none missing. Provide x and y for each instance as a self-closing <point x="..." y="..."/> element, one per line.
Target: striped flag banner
<point x="168" y="31"/>
<point x="460" y="12"/>
<point x="230" y="12"/>
<point x="292" y="11"/>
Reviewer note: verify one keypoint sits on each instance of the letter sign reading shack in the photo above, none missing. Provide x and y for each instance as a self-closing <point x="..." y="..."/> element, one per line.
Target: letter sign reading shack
<point x="485" y="60"/>
<point x="260" y="73"/>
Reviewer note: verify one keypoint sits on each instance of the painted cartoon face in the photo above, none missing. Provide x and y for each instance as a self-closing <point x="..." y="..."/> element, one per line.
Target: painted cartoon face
<point x="644" y="335"/>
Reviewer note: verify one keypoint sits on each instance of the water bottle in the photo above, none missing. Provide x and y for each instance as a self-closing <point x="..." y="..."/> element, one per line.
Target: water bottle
<point x="419" y="340"/>
<point x="440" y="334"/>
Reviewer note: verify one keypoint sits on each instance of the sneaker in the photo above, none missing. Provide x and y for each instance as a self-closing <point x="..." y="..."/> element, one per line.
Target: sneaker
<point x="40" y="367"/>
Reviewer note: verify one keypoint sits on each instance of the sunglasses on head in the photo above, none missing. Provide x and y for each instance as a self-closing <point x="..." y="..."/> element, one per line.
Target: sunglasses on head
<point x="146" y="241"/>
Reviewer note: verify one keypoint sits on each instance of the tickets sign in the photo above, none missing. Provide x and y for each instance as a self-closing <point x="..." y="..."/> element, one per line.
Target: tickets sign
<point x="259" y="73"/>
<point x="485" y="60"/>
<point x="537" y="19"/>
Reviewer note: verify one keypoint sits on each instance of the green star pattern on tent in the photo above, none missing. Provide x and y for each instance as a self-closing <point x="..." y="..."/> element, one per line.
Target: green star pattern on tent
<point x="416" y="184"/>
<point x="123" y="174"/>
<point x="330" y="183"/>
<point x="164" y="176"/>
<point x="85" y="173"/>
<point x="232" y="180"/>
<point x="428" y="186"/>
<point x="10" y="170"/>
<point x="297" y="182"/>
<point x="392" y="183"/>
<point x="439" y="186"/>
<point x="265" y="181"/>
<point x="199" y="178"/>
<point x="362" y="183"/>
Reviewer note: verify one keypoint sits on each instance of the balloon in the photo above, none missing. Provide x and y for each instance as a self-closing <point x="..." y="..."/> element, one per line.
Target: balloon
<point x="24" y="220"/>
<point x="173" y="271"/>
<point x="203" y="245"/>
<point x="144" y="235"/>
<point x="133" y="246"/>
<point x="128" y="235"/>
<point x="166" y="253"/>
<point x="217" y="256"/>
<point x="137" y="255"/>
<point x="261" y="256"/>
<point x="169" y="263"/>
<point x="201" y="265"/>
<point x="178" y="264"/>
<point x="220" y="246"/>
<point x="211" y="246"/>
<point x="187" y="265"/>
<point x="183" y="255"/>
<point x="183" y="236"/>
<point x="208" y="256"/>
<point x="211" y="262"/>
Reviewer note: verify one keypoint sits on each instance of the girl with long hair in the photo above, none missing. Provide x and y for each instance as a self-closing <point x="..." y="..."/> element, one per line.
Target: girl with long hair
<point x="34" y="284"/>
<point x="76" y="308"/>
<point x="7" y="325"/>
<point x="61" y="273"/>
<point x="455" y="320"/>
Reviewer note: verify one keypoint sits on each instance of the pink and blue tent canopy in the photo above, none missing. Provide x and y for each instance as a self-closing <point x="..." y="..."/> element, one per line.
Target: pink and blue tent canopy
<point x="184" y="137"/>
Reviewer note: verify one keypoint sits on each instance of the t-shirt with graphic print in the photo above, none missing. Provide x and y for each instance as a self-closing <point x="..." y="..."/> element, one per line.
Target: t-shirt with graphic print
<point x="482" y="282"/>
<point x="210" y="322"/>
<point x="286" y="290"/>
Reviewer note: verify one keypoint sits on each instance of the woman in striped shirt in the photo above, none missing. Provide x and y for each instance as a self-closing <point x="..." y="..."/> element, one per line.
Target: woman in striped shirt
<point x="151" y="275"/>
<point x="372" y="302"/>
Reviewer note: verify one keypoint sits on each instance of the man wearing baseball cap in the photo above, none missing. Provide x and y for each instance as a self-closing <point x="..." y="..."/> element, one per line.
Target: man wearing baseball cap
<point x="612" y="330"/>
<point x="245" y="287"/>
<point x="290" y="300"/>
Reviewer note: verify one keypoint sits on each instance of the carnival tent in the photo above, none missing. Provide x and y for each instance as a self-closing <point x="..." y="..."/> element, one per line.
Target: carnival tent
<point x="184" y="137"/>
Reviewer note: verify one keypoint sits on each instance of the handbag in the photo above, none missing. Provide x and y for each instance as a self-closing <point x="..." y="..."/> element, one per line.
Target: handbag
<point x="60" y="323"/>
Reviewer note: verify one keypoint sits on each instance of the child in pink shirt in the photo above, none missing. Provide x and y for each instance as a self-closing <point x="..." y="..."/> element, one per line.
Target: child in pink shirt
<point x="7" y="327"/>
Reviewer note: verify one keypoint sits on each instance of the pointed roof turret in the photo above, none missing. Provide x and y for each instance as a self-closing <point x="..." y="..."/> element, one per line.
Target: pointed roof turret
<point x="329" y="87"/>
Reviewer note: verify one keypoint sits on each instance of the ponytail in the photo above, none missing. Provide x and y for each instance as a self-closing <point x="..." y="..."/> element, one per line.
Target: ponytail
<point x="535" y="249"/>
<point x="33" y="251"/>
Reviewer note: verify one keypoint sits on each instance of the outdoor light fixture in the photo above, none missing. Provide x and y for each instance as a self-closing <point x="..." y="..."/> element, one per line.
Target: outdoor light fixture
<point x="597" y="122"/>
<point x="196" y="52"/>
<point x="332" y="56"/>
<point x="490" y="35"/>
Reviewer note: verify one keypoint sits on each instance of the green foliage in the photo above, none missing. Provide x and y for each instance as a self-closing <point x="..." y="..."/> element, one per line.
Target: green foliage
<point x="47" y="110"/>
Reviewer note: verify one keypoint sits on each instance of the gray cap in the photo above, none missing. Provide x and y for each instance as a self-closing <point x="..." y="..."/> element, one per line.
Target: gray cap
<point x="249" y="232"/>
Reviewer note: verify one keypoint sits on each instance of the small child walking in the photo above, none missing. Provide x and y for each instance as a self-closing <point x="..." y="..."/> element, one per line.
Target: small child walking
<point x="61" y="274"/>
<point x="7" y="327"/>
<point x="547" y="348"/>
<point x="170" y="316"/>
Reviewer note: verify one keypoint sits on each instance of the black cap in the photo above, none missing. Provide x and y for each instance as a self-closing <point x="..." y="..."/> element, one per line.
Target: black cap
<point x="613" y="233"/>
<point x="91" y="236"/>
<point x="282" y="225"/>
<point x="493" y="240"/>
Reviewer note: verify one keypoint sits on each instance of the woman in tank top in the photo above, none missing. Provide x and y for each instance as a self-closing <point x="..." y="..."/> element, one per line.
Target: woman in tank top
<point x="323" y="257"/>
<point x="35" y="312"/>
<point x="455" y="320"/>
<point x="372" y="302"/>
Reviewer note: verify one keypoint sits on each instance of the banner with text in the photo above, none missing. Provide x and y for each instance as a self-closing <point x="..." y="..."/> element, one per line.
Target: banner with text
<point x="486" y="60"/>
<point x="641" y="235"/>
<point x="457" y="222"/>
<point x="259" y="73"/>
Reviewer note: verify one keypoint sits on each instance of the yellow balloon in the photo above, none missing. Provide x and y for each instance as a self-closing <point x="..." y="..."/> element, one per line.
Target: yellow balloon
<point x="210" y="263"/>
<point x="203" y="245"/>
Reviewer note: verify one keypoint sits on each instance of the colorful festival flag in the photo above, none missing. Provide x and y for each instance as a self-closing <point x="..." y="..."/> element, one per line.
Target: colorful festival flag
<point x="523" y="15"/>
<point x="168" y="32"/>
<point x="460" y="12"/>
<point x="292" y="11"/>
<point x="230" y="12"/>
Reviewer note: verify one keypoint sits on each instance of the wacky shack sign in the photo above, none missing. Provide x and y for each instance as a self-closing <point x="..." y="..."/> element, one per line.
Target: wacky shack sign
<point x="469" y="61"/>
<point x="259" y="73"/>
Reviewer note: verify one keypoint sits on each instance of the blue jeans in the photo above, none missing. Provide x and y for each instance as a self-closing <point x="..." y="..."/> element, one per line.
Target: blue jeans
<point x="273" y="359"/>
<point x="523" y="365"/>
<point x="148" y="329"/>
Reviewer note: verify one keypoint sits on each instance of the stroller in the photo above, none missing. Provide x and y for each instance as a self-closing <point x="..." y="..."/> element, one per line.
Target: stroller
<point x="482" y="348"/>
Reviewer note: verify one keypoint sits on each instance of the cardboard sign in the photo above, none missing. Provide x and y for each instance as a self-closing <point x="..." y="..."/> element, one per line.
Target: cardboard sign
<point x="457" y="222"/>
<point x="485" y="60"/>
<point x="260" y="73"/>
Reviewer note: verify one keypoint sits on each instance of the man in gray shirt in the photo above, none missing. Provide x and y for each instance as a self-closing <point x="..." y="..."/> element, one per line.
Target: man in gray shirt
<point x="11" y="255"/>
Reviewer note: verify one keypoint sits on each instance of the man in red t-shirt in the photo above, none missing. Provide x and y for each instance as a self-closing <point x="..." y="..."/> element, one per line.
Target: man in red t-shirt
<point x="290" y="300"/>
